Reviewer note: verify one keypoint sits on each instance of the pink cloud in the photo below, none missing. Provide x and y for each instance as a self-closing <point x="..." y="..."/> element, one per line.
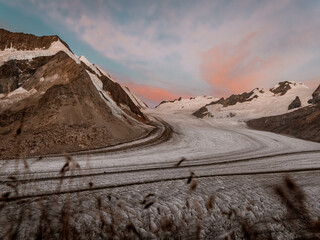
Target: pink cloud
<point x="153" y="93"/>
<point x="313" y="82"/>
<point x="239" y="58"/>
<point x="236" y="68"/>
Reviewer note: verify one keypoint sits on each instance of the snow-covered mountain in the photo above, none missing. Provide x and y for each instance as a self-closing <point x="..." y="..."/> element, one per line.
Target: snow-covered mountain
<point x="288" y="108"/>
<point x="59" y="102"/>
<point x="185" y="104"/>
<point x="282" y="98"/>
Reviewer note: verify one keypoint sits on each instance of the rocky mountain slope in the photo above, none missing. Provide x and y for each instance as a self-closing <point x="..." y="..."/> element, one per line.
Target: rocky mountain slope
<point x="302" y="123"/>
<point x="51" y="101"/>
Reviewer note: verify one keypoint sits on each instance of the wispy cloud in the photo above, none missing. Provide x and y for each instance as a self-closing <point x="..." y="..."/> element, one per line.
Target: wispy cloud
<point x="152" y="93"/>
<point x="236" y="68"/>
<point x="206" y="47"/>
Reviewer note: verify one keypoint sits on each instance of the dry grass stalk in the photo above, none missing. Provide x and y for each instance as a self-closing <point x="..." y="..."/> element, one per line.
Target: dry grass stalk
<point x="193" y="185"/>
<point x="180" y="162"/>
<point x="210" y="203"/>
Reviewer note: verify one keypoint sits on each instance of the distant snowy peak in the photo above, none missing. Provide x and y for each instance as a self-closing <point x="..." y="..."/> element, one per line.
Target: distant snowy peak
<point x="187" y="104"/>
<point x="280" y="99"/>
<point x="278" y="90"/>
<point x="283" y="87"/>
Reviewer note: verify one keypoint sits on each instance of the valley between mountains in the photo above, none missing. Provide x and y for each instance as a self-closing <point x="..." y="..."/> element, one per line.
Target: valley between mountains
<point x="68" y="129"/>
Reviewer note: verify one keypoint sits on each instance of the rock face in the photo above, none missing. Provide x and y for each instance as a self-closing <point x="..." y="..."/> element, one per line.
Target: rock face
<point x="296" y="103"/>
<point x="302" y="123"/>
<point x="53" y="104"/>
<point x="230" y="101"/>
<point x="316" y="96"/>
<point x="202" y="112"/>
<point x="22" y="41"/>
<point x="120" y="96"/>
<point x="14" y="73"/>
<point x="234" y="99"/>
<point x="167" y="101"/>
<point x="282" y="88"/>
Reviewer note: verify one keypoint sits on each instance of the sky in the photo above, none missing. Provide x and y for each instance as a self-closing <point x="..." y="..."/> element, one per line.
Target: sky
<point x="166" y="49"/>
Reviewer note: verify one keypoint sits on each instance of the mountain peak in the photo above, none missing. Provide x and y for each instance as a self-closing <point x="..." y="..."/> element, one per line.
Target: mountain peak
<point x="283" y="87"/>
<point x="65" y="102"/>
<point x="23" y="41"/>
<point x="85" y="60"/>
<point x="258" y="102"/>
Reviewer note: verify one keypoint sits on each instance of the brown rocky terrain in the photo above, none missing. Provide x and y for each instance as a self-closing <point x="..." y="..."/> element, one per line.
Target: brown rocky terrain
<point x="282" y="88"/>
<point x="22" y="41"/>
<point x="15" y="73"/>
<point x="59" y="109"/>
<point x="315" y="96"/>
<point x="302" y="123"/>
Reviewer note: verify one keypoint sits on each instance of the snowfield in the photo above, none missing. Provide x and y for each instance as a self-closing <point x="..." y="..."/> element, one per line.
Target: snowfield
<point x="237" y="165"/>
<point x="14" y="54"/>
<point x="211" y="147"/>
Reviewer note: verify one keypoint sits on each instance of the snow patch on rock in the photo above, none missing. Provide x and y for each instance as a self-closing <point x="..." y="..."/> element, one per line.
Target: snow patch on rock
<point x="15" y="96"/>
<point x="115" y="109"/>
<point x="106" y="98"/>
<point x="106" y="74"/>
<point x="90" y="65"/>
<point x="18" y="91"/>
<point x="14" y="54"/>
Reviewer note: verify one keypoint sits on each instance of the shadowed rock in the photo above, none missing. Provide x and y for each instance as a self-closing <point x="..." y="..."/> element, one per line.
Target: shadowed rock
<point x="282" y="88"/>
<point x="202" y="112"/>
<point x="296" y="103"/>
<point x="232" y="100"/>
<point x="14" y="73"/>
<point x="302" y="123"/>
<point x="316" y="96"/>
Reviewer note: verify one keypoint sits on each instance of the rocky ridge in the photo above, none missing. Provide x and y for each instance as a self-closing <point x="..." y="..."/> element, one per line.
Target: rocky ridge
<point x="23" y="41"/>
